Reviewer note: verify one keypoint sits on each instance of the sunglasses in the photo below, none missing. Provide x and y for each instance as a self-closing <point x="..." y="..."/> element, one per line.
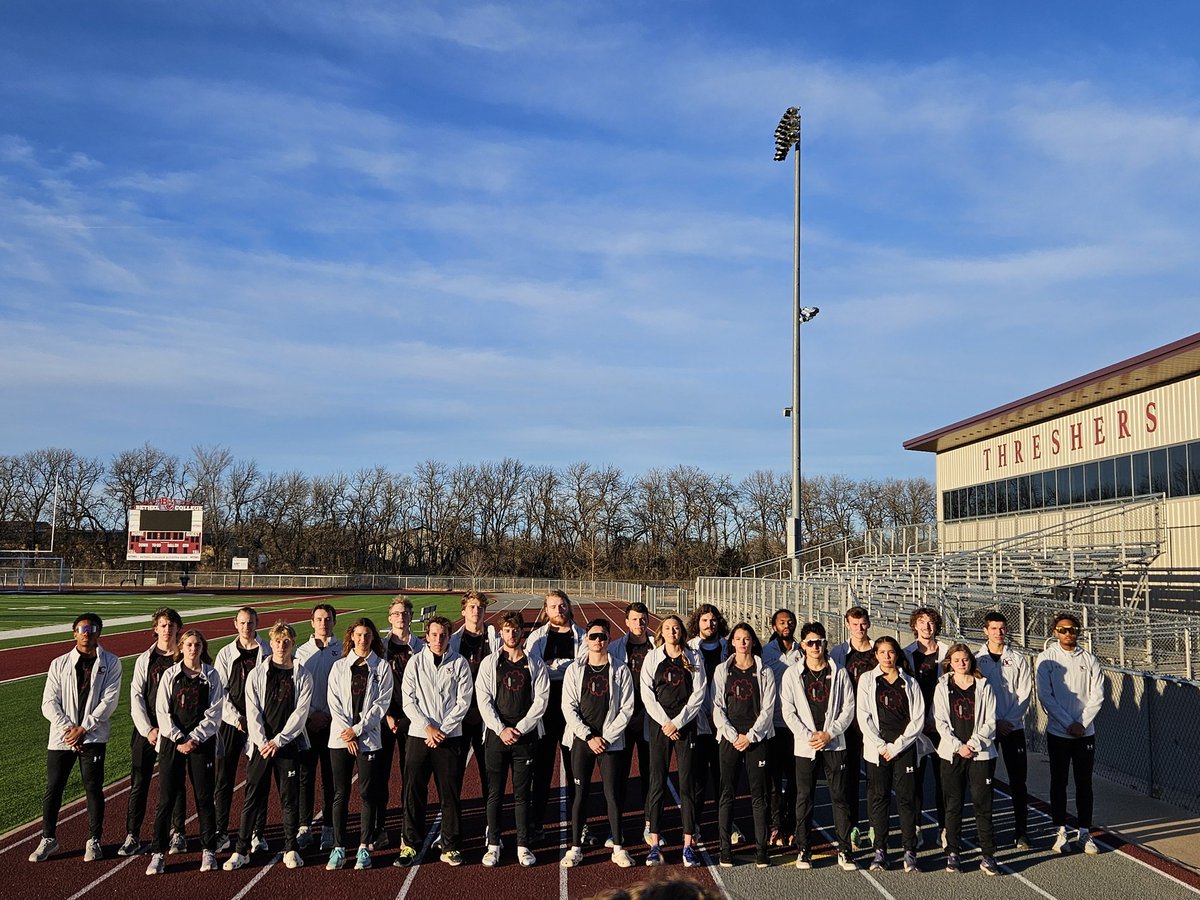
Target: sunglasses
<point x="598" y="636"/>
<point x="1067" y="629"/>
<point x="87" y="629"/>
<point x="815" y="643"/>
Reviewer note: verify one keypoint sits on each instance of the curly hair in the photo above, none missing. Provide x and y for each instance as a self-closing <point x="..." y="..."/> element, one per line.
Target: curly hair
<point x="934" y="616"/>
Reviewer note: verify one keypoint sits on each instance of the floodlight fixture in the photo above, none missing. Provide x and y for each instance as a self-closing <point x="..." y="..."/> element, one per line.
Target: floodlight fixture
<point x="787" y="133"/>
<point x="808" y="313"/>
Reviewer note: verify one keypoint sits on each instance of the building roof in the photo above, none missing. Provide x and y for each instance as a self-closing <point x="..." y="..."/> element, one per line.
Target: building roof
<point x="1165" y="364"/>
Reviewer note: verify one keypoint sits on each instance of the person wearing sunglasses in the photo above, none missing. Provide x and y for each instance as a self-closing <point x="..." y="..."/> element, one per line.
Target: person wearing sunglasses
<point x="1070" y="687"/>
<point x="83" y="688"/>
<point x="743" y="701"/>
<point x="597" y="701"/>
<point x="817" y="701"/>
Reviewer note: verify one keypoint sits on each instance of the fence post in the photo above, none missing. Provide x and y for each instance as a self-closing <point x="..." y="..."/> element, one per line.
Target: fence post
<point x="1148" y="694"/>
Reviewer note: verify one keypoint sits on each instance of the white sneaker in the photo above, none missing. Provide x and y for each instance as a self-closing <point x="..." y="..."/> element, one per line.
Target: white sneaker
<point x="609" y="843"/>
<point x="236" y="861"/>
<point x="178" y="843"/>
<point x="303" y="837"/>
<point x="572" y="858"/>
<point x="622" y="858"/>
<point x="492" y="857"/>
<point x="1061" y="842"/>
<point x="846" y="864"/>
<point x="525" y="857"/>
<point x="292" y="860"/>
<point x="92" y="851"/>
<point x="258" y="844"/>
<point x="326" y="837"/>
<point x="1088" y="843"/>
<point x="44" y="849"/>
<point x="208" y="861"/>
<point x="156" y="864"/>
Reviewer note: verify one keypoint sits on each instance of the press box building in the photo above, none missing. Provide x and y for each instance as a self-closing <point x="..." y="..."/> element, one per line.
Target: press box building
<point x="1123" y="439"/>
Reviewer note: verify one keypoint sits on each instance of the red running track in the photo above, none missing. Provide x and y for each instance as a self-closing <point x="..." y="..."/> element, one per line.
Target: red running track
<point x="65" y="875"/>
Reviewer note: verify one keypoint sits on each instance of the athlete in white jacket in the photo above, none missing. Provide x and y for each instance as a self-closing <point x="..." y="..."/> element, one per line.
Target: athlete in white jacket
<point x="1010" y="677"/>
<point x="1071" y="689"/>
<point x="82" y="690"/>
<point x="781" y="652"/>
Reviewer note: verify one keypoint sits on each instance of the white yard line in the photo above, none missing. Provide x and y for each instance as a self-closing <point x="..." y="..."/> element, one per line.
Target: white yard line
<point x="255" y="880"/>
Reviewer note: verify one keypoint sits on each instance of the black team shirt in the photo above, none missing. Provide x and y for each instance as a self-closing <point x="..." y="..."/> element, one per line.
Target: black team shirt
<point x="962" y="709"/>
<point x="474" y="648"/>
<point x="672" y="685"/>
<point x="238" y="672"/>
<point x="360" y="675"/>
<point x="398" y="655"/>
<point x="559" y="645"/>
<point x="514" y="693"/>
<point x="816" y="692"/>
<point x="859" y="663"/>
<point x="635" y="656"/>
<point x="593" y="698"/>
<point x="189" y="701"/>
<point x="743" y="698"/>
<point x="83" y="680"/>
<point x="159" y="663"/>
<point x="280" y="700"/>
<point x="891" y="700"/>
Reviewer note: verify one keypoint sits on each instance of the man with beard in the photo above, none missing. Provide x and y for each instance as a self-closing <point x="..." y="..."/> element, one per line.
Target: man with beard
<point x="473" y="642"/>
<point x="556" y="644"/>
<point x="780" y="653"/>
<point x="706" y="631"/>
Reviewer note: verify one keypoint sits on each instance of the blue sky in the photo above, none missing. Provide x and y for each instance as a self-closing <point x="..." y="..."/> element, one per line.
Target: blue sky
<point x="334" y="235"/>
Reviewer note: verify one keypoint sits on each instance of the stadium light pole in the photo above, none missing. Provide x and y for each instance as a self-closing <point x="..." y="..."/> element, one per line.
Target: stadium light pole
<point x="787" y="136"/>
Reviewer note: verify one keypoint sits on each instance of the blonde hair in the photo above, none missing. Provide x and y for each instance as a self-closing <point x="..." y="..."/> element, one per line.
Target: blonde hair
<point x="280" y="629"/>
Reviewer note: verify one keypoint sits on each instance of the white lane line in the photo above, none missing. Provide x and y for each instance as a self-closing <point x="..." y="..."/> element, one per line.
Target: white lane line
<point x="80" y="802"/>
<point x="712" y="869"/>
<point x="257" y="878"/>
<point x="434" y="830"/>
<point x="1005" y="868"/>
<point x="1110" y="848"/>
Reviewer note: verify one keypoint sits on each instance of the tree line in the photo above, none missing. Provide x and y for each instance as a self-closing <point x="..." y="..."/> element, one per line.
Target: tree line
<point x="497" y="518"/>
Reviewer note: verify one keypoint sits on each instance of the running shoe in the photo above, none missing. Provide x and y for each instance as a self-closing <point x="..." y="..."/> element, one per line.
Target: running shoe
<point x="621" y="857"/>
<point x="762" y="859"/>
<point x="804" y="859"/>
<point x="131" y="847"/>
<point x="1088" y="842"/>
<point x="654" y="857"/>
<point x="525" y="857"/>
<point x="406" y="857"/>
<point x="381" y="842"/>
<point x="952" y="863"/>
<point x="92" y="850"/>
<point x="258" y="844"/>
<point x="1062" y="843"/>
<point x="856" y="841"/>
<point x="988" y="866"/>
<point x="362" y="859"/>
<point x="208" y="861"/>
<point x="572" y="858"/>
<point x="235" y="862"/>
<point x="326" y="838"/>
<point x="910" y="862"/>
<point x="491" y="858"/>
<point x="879" y="862"/>
<point x="726" y="859"/>
<point x="690" y="859"/>
<point x="451" y="857"/>
<point x="156" y="864"/>
<point x="846" y="864"/>
<point x="337" y="858"/>
<point x="44" y="849"/>
<point x="293" y="860"/>
<point x="1021" y="843"/>
<point x="178" y="843"/>
<point x="588" y="839"/>
<point x="303" y="837"/>
<point x="223" y="842"/>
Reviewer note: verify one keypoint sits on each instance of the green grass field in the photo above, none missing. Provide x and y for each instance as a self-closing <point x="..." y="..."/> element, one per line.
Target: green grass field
<point x="23" y="739"/>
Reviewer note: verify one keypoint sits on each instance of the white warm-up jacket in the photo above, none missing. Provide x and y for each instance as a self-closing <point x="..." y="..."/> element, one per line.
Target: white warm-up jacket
<point x="984" y="734"/>
<point x="839" y="713"/>
<point x="437" y="695"/>
<point x="375" y="702"/>
<point x="764" y="725"/>
<point x="620" y="704"/>
<point x="60" y="698"/>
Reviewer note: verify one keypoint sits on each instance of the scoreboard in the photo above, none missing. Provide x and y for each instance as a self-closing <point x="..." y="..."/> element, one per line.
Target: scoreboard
<point x="165" y="530"/>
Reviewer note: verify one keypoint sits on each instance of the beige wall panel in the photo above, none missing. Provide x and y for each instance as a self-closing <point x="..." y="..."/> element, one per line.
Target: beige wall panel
<point x="1164" y="415"/>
